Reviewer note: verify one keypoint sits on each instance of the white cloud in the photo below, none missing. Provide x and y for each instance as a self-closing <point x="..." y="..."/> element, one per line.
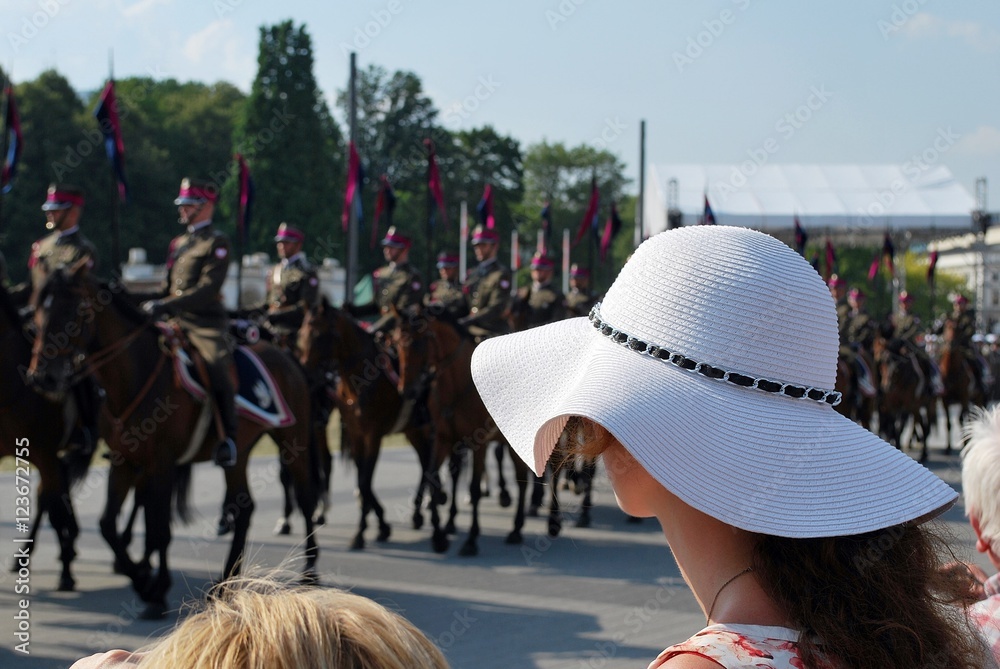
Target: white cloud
<point x="984" y="141"/>
<point x="219" y="47"/>
<point x="210" y="38"/>
<point x="976" y="35"/>
<point x="139" y="8"/>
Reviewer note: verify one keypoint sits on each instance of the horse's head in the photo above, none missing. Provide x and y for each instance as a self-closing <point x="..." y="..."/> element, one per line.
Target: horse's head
<point x="412" y="338"/>
<point x="318" y="335"/>
<point x="64" y="328"/>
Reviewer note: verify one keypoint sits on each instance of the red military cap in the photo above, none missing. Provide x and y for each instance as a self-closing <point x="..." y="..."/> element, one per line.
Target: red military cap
<point x="396" y="239"/>
<point x="836" y="282"/>
<point x="575" y="271"/>
<point x="905" y="297"/>
<point x="856" y="293"/>
<point x="196" y="192"/>
<point x="446" y="259"/>
<point x="542" y="261"/>
<point x="287" y="233"/>
<point x="62" y="196"/>
<point x="482" y="235"/>
<point x="960" y="299"/>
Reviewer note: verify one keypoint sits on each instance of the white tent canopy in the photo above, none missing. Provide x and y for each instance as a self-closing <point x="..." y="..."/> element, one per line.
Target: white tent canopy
<point x="833" y="197"/>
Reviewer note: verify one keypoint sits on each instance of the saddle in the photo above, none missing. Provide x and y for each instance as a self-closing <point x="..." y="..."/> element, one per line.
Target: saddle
<point x="258" y="397"/>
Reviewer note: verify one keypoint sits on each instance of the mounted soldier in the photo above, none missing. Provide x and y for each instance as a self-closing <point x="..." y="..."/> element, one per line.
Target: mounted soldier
<point x="446" y="296"/>
<point x="396" y="284"/>
<point x="540" y="303"/>
<point x="580" y="299"/>
<point x="293" y="282"/>
<point x="963" y="318"/>
<point x="487" y="288"/>
<point x="908" y="334"/>
<point x="66" y="245"/>
<point x="191" y="295"/>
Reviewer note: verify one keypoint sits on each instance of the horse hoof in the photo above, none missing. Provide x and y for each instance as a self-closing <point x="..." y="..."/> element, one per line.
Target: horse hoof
<point x="384" y="532"/>
<point x="418" y="521"/>
<point x="282" y="527"/>
<point x="449" y="528"/>
<point x="119" y="568"/>
<point x="320" y="520"/>
<point x="504" y="499"/>
<point x="555" y="526"/>
<point x="67" y="584"/>
<point x="440" y="543"/>
<point x="154" y="611"/>
<point x="224" y="527"/>
<point x="441" y="498"/>
<point x="469" y="549"/>
<point x="532" y="511"/>
<point x="358" y="543"/>
<point x="583" y="521"/>
<point x="309" y="578"/>
<point x="514" y="538"/>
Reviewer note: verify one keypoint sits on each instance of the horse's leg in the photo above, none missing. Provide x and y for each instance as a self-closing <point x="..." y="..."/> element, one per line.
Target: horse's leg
<point x="522" y="474"/>
<point x="240" y="504"/>
<point x="504" y="496"/>
<point x="586" y="482"/>
<point x="537" y="492"/>
<point x="63" y="521"/>
<point x="555" y="514"/>
<point x="126" y="536"/>
<point x="366" y="474"/>
<point x="156" y="496"/>
<point x="455" y="471"/>
<point x="471" y="545"/>
<point x="284" y="526"/>
<point x="425" y="455"/>
<point x="300" y="466"/>
<point x="120" y="479"/>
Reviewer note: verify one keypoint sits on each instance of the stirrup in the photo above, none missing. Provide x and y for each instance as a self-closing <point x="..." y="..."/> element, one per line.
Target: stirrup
<point x="225" y="453"/>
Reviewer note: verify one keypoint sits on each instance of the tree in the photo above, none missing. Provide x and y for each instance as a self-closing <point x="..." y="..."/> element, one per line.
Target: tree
<point x="294" y="147"/>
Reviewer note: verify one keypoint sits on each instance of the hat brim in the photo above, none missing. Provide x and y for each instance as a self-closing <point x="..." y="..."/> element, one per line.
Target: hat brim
<point x="189" y="200"/>
<point x="56" y="206"/>
<point x="763" y="463"/>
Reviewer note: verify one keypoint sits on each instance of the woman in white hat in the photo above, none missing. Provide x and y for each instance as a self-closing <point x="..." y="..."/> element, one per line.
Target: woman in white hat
<point x="705" y="379"/>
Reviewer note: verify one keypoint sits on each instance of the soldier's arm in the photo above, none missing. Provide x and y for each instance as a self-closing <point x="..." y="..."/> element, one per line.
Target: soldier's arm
<point x="498" y="303"/>
<point x="209" y="286"/>
<point x="412" y="294"/>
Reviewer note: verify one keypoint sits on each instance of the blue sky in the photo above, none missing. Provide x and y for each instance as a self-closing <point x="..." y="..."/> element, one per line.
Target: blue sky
<point x="873" y="81"/>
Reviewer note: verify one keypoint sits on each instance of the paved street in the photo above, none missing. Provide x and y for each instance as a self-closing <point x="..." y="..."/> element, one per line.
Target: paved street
<point x="607" y="597"/>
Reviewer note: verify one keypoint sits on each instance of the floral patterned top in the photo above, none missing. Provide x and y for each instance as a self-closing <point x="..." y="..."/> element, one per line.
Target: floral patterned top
<point x="743" y="647"/>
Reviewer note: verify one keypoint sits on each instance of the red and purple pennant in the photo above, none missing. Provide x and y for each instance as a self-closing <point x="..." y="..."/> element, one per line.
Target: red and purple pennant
<point x="434" y="181"/>
<point x="385" y="201"/>
<point x="15" y="142"/>
<point x="485" y="208"/>
<point x="246" y="198"/>
<point x="889" y="254"/>
<point x="611" y="230"/>
<point x="546" y="241"/>
<point x="800" y="237"/>
<point x="873" y="268"/>
<point x="106" y="114"/>
<point x="589" y="221"/>
<point x="931" y="267"/>
<point x="353" y="183"/>
<point x="709" y="216"/>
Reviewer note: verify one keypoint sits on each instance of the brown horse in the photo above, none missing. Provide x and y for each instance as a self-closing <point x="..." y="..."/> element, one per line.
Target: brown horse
<point x="34" y="429"/>
<point x="462" y="424"/>
<point x="960" y="386"/>
<point x="855" y="404"/>
<point x="902" y="396"/>
<point x="148" y="420"/>
<point x="370" y="407"/>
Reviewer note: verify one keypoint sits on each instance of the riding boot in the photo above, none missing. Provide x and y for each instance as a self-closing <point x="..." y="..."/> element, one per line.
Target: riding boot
<point x="88" y="397"/>
<point x="224" y="454"/>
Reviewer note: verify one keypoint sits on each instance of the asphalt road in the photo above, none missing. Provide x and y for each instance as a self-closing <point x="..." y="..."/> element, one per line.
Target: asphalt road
<point x="604" y="597"/>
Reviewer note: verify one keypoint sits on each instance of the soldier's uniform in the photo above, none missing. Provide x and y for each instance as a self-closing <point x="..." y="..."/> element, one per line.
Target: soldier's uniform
<point x="579" y="301"/>
<point x="541" y="303"/>
<point x="292" y="282"/>
<point x="397" y="284"/>
<point x="487" y="291"/>
<point x="446" y="296"/>
<point x="60" y="247"/>
<point x="197" y="264"/>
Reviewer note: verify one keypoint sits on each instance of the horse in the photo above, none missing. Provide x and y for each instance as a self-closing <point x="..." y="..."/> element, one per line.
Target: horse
<point x="149" y="421"/>
<point x="902" y="395"/>
<point x="437" y="347"/>
<point x="960" y="386"/>
<point x="34" y="429"/>
<point x="370" y="408"/>
<point x="854" y="403"/>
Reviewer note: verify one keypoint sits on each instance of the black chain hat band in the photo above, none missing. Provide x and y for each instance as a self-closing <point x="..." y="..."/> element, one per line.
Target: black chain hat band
<point x="831" y="397"/>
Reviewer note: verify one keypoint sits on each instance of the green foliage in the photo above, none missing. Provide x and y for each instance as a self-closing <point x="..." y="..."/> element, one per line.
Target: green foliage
<point x="292" y="144"/>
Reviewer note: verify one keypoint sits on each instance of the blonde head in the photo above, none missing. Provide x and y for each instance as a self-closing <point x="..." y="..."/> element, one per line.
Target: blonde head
<point x="258" y="623"/>
<point x="981" y="470"/>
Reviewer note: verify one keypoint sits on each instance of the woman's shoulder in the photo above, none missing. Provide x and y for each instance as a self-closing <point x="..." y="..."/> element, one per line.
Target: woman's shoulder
<point x="734" y="646"/>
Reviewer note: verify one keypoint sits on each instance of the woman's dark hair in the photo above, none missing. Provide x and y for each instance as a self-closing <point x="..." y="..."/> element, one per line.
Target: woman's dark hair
<point x="878" y="600"/>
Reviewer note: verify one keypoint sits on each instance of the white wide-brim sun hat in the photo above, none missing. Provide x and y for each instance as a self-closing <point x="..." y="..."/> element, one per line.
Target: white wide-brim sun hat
<point x="713" y="360"/>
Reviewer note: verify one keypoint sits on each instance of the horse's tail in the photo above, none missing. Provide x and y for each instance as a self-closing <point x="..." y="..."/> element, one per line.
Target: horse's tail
<point x="182" y="490"/>
<point x="76" y="464"/>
